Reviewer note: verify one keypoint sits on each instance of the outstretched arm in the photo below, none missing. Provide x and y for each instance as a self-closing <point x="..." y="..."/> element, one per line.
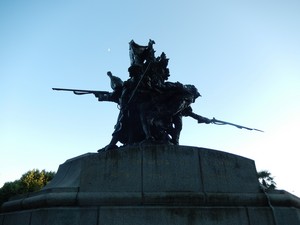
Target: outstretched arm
<point x="107" y="97"/>
<point x="200" y="119"/>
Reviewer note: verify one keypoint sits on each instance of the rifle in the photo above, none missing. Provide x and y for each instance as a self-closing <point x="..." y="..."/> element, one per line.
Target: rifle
<point x="202" y="119"/>
<point x="220" y="122"/>
<point x="83" y="92"/>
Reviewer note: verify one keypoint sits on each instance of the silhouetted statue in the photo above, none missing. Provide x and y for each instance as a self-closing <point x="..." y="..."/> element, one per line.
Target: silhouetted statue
<point x="151" y="108"/>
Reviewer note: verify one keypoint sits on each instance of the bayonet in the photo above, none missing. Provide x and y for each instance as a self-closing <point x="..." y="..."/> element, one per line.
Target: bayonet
<point x="220" y="122"/>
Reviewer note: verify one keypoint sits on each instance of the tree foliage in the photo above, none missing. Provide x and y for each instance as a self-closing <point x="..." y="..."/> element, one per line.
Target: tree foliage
<point x="266" y="180"/>
<point x="31" y="181"/>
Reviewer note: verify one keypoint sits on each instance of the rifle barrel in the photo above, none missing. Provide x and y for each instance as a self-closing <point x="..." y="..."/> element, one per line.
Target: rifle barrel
<point x="80" y="91"/>
<point x="220" y="122"/>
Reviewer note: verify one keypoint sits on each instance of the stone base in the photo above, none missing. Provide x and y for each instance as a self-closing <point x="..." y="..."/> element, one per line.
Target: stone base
<point x="155" y="184"/>
<point x="129" y="215"/>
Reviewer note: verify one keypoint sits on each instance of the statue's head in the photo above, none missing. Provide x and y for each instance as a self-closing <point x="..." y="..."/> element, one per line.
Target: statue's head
<point x="192" y="90"/>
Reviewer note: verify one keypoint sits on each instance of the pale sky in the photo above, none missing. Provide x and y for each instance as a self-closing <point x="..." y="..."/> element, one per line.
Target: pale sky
<point x="243" y="56"/>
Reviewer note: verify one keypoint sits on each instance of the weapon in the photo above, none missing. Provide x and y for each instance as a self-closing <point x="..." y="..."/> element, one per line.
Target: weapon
<point x="220" y="122"/>
<point x="202" y="119"/>
<point x="82" y="92"/>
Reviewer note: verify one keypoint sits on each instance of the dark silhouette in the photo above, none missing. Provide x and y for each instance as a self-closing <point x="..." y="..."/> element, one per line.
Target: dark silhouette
<point x="151" y="108"/>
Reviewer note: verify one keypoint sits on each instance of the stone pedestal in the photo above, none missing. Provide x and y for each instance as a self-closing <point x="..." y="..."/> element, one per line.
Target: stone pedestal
<point x="155" y="184"/>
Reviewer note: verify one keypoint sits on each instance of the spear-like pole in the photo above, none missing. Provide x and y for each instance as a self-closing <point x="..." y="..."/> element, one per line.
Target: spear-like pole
<point x="220" y="122"/>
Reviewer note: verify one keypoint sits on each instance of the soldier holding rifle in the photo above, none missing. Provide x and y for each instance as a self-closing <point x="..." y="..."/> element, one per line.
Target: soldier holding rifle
<point x="151" y="109"/>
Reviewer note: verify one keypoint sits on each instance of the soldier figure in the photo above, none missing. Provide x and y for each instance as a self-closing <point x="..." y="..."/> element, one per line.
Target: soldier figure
<point x="151" y="109"/>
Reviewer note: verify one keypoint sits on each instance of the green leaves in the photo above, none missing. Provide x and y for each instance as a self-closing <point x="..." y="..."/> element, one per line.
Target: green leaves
<point x="31" y="181"/>
<point x="266" y="180"/>
<point x="34" y="180"/>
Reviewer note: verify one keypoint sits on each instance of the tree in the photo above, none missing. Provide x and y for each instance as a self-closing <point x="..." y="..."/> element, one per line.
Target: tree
<point x="9" y="189"/>
<point x="266" y="180"/>
<point x="34" y="180"/>
<point x="31" y="181"/>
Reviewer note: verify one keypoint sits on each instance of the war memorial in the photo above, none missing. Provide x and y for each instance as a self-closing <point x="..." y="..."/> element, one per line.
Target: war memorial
<point x="143" y="176"/>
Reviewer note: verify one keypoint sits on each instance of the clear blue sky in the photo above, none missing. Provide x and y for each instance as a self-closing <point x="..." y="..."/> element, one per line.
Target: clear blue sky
<point x="243" y="56"/>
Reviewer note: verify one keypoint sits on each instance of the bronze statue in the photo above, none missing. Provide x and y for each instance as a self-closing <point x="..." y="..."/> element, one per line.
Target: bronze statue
<point x="151" y="108"/>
